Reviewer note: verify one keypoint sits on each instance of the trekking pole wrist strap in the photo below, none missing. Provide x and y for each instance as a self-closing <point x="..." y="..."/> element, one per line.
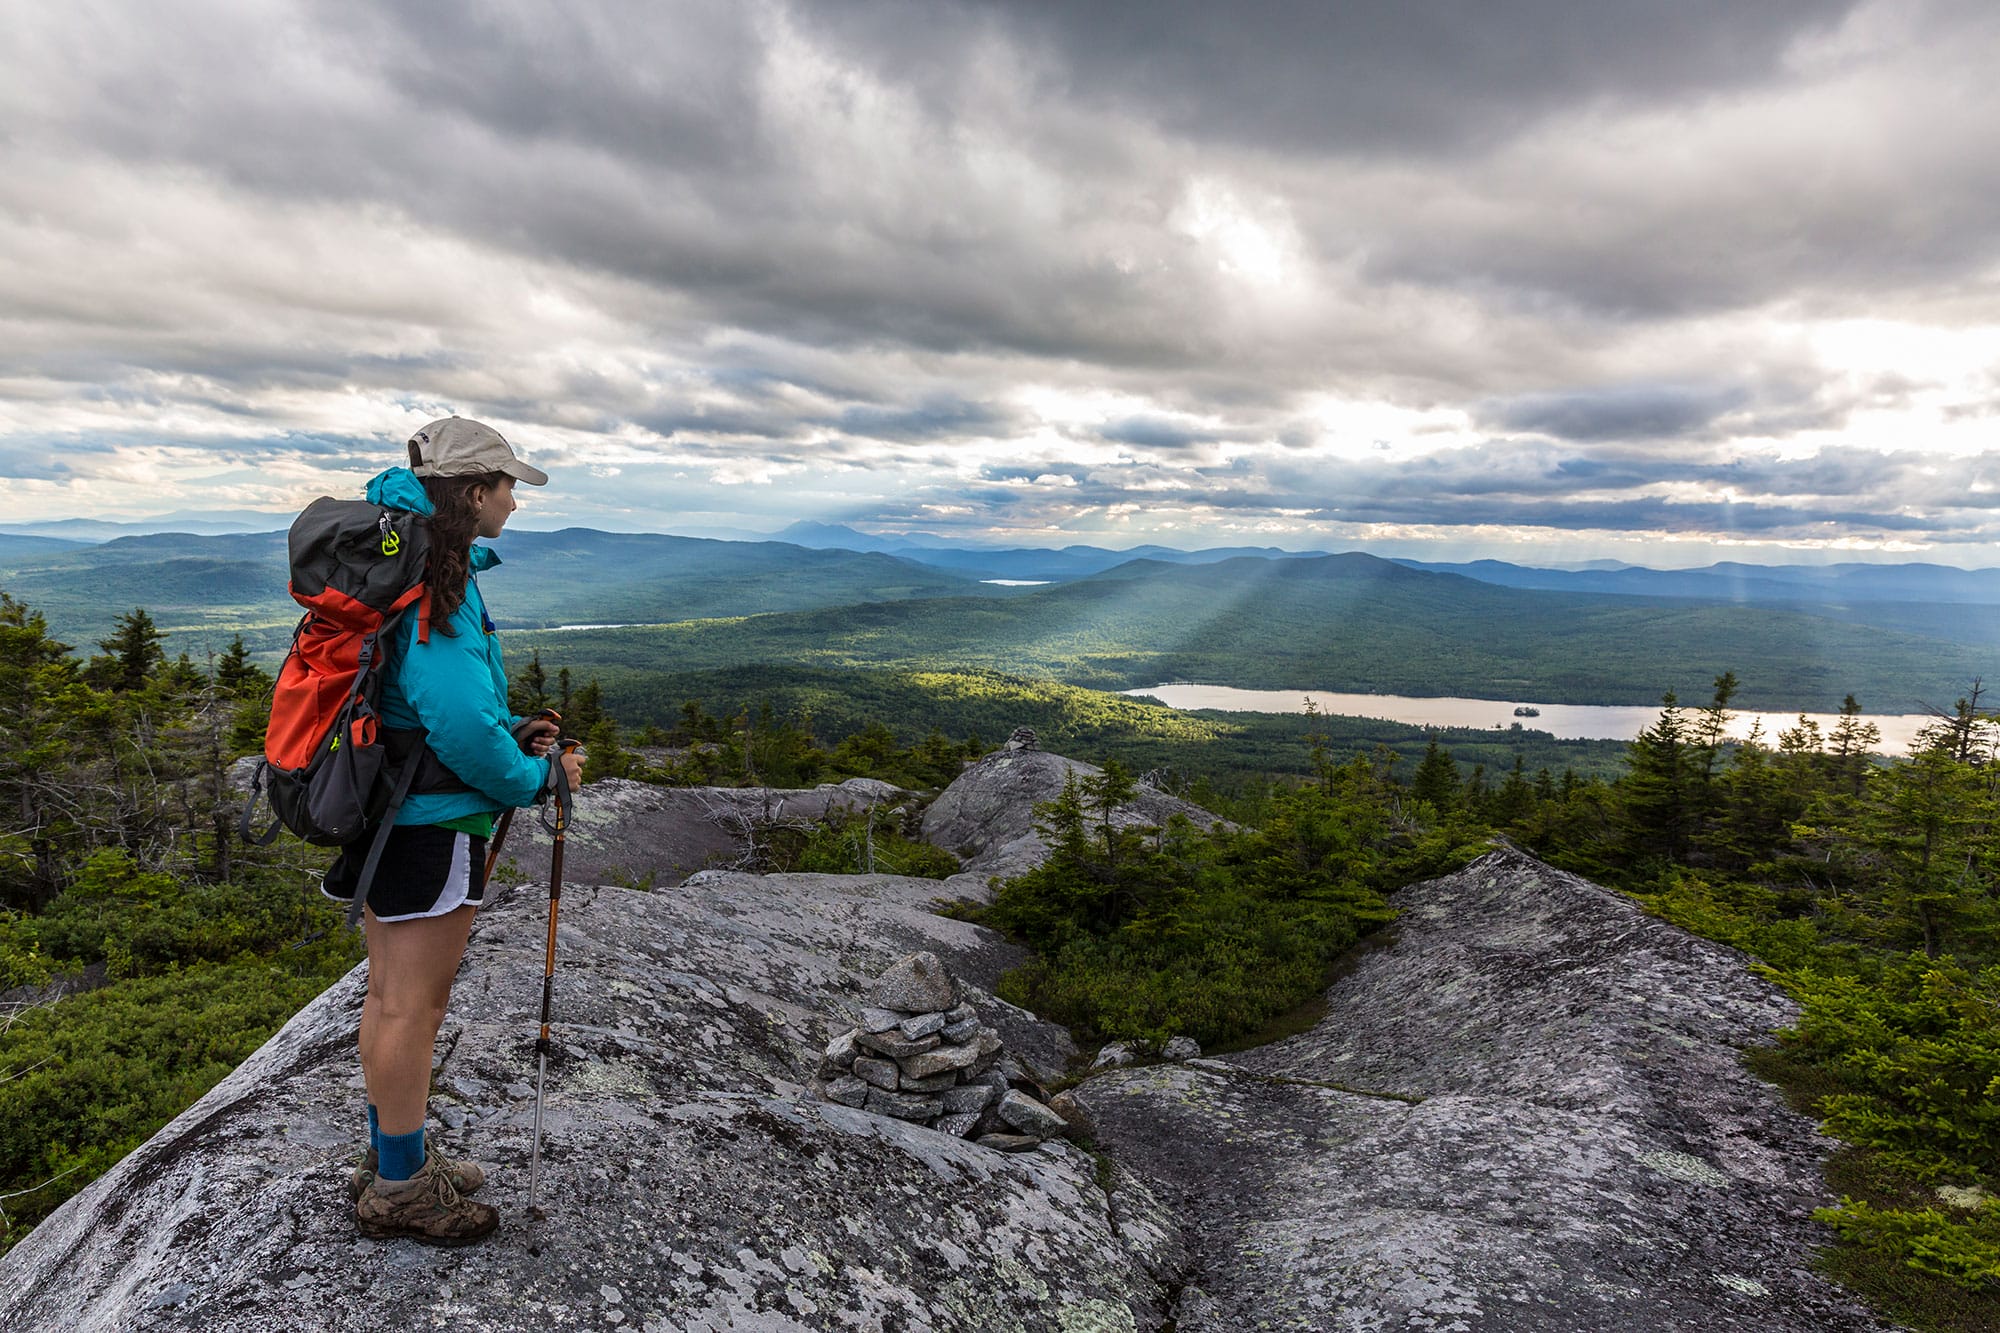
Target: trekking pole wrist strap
<point x="565" y="799"/>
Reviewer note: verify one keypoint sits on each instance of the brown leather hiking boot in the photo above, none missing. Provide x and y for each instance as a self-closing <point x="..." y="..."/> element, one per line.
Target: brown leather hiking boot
<point x="466" y="1176"/>
<point x="427" y="1207"/>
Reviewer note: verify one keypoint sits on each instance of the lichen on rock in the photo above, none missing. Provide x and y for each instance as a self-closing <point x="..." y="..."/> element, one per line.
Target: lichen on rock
<point x="1527" y="1112"/>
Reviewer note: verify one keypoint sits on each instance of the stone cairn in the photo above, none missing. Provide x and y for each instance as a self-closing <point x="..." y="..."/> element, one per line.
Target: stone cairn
<point x="922" y="1055"/>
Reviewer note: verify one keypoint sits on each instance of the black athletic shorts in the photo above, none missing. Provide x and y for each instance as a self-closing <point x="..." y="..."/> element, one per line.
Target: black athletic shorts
<point x="425" y="871"/>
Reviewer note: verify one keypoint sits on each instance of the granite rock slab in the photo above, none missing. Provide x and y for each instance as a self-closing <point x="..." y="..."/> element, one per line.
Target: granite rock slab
<point x="627" y="832"/>
<point x="686" y="1026"/>
<point x="987" y="815"/>
<point x="1527" y="1112"/>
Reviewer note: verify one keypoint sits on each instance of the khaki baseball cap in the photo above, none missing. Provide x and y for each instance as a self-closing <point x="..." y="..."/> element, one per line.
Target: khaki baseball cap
<point x="456" y="447"/>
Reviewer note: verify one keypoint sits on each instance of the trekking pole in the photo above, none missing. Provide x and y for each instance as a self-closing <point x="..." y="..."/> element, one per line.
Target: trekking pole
<point x="507" y="815"/>
<point x="499" y="837"/>
<point x="563" y="801"/>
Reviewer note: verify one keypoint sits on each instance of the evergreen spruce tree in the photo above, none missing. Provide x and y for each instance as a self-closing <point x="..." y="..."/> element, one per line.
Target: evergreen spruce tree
<point x="1921" y="820"/>
<point x="1655" y="809"/>
<point x="1515" y="800"/>
<point x="1436" y="779"/>
<point x="1475" y="793"/>
<point x="530" y="693"/>
<point x="238" y="676"/>
<point x="1851" y="742"/>
<point x="132" y="654"/>
<point x="585" y="710"/>
<point x="1710" y="727"/>
<point x="605" y="756"/>
<point x="1758" y="805"/>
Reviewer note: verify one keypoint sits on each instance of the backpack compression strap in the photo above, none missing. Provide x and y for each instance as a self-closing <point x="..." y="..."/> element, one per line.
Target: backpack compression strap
<point x="381" y="838"/>
<point x="269" y="835"/>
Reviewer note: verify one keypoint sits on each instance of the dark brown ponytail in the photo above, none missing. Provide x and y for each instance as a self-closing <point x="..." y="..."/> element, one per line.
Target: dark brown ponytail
<point x="454" y="523"/>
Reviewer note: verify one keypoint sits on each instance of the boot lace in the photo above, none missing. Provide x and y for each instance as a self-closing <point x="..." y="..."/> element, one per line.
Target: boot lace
<point x="442" y="1190"/>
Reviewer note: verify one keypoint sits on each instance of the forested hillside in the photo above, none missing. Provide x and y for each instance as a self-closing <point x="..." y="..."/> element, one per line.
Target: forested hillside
<point x="204" y="591"/>
<point x="1350" y="623"/>
<point x="1347" y="622"/>
<point x="1225" y="750"/>
<point x="121" y="871"/>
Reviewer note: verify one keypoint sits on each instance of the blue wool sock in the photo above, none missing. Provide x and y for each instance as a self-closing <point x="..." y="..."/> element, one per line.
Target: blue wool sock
<point x="402" y="1155"/>
<point x="374" y="1131"/>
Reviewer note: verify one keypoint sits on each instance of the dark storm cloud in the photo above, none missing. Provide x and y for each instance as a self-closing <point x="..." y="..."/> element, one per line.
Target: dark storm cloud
<point x="684" y="423"/>
<point x="934" y="418"/>
<point x="1399" y="75"/>
<point x="682" y="147"/>
<point x="1156" y="433"/>
<point x="1638" y="412"/>
<point x="634" y="139"/>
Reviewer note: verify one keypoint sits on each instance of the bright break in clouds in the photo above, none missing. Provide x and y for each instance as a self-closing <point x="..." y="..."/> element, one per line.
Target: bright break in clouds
<point x="1550" y="279"/>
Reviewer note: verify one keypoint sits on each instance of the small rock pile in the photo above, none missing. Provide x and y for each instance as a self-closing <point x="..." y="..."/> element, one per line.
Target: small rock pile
<point x="920" y="1054"/>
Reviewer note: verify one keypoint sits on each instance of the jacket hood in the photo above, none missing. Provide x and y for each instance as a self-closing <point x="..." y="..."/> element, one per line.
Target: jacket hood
<point x="400" y="488"/>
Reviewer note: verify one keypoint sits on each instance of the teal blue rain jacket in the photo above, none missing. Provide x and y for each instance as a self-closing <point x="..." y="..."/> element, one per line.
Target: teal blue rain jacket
<point x="455" y="688"/>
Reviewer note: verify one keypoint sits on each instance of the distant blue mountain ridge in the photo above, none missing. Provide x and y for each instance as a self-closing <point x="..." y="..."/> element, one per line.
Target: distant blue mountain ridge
<point x="1852" y="583"/>
<point x="1736" y="582"/>
<point x="1728" y="581"/>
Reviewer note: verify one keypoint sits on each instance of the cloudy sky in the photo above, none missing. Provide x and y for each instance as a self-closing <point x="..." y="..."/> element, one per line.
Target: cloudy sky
<point x="1548" y="280"/>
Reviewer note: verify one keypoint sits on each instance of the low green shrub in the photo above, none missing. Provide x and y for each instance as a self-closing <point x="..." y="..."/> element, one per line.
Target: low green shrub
<point x="21" y="959"/>
<point x="1964" y="1250"/>
<point x="85" y="1081"/>
<point x="141" y="923"/>
<point x="1153" y="933"/>
<point x="866" y="844"/>
<point x="1918" y="1045"/>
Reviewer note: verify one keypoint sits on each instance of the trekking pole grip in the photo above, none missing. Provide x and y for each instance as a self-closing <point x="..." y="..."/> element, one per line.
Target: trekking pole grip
<point x="565" y="796"/>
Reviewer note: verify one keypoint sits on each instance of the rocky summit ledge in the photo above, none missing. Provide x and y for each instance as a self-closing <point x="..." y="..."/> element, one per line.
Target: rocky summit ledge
<point x="1525" y="1110"/>
<point x="690" y="1181"/>
<point x="1528" y="1111"/>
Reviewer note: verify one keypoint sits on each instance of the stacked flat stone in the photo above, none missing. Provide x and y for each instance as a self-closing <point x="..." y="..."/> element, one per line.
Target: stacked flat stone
<point x="921" y="1054"/>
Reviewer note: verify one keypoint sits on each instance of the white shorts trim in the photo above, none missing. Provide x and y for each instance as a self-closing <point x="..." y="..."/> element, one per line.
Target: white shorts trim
<point x="457" y="884"/>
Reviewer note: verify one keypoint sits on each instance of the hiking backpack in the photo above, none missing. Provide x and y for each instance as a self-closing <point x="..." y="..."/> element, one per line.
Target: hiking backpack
<point x="332" y="769"/>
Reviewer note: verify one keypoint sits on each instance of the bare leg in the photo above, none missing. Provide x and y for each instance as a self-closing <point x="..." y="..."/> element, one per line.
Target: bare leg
<point x="410" y="969"/>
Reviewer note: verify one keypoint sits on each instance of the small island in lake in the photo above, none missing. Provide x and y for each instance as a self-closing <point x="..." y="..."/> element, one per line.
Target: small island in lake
<point x="1527" y="710"/>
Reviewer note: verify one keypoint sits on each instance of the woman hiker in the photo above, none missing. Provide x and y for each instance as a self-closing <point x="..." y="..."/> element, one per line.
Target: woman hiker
<point x="448" y="681"/>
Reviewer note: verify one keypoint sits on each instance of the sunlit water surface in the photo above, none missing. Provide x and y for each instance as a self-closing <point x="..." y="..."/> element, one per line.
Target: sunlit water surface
<point x="1567" y="721"/>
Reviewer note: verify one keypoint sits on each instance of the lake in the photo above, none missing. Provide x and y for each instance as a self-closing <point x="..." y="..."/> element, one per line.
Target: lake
<point x="1568" y="721"/>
